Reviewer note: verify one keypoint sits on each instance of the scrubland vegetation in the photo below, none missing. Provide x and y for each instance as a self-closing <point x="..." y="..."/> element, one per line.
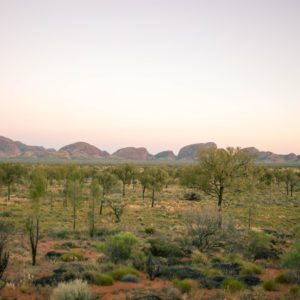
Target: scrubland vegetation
<point x="224" y="228"/>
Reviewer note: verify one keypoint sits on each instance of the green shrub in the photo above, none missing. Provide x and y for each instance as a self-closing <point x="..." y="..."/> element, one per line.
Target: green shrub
<point x="251" y="269"/>
<point x="192" y="196"/>
<point x="199" y="258"/>
<point x="138" y="259"/>
<point x="294" y="290"/>
<point x="150" y="230"/>
<point x="291" y="259"/>
<point x="212" y="272"/>
<point x="185" y="286"/>
<point x="100" y="247"/>
<point x="257" y="242"/>
<point x="72" y="256"/>
<point x="163" y="248"/>
<point x="75" y="290"/>
<point x="118" y="247"/>
<point x="61" y="235"/>
<point x="284" y="278"/>
<point x="118" y="273"/>
<point x="233" y="285"/>
<point x="6" y="214"/>
<point x="98" y="278"/>
<point x="270" y="285"/>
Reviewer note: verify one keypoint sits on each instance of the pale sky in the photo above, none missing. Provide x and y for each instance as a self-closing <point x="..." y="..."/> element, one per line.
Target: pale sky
<point x="155" y="73"/>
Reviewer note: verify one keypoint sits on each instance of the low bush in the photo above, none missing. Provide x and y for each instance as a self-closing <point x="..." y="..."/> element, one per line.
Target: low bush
<point x="130" y="278"/>
<point x="257" y="244"/>
<point x="72" y="256"/>
<point x="294" y="290"/>
<point x="233" y="285"/>
<point x="138" y="260"/>
<point x="251" y="269"/>
<point x="150" y="230"/>
<point x="192" y="196"/>
<point x="6" y="214"/>
<point x="98" y="278"/>
<point x="163" y="248"/>
<point x="199" y="258"/>
<point x="270" y="285"/>
<point x="118" y="247"/>
<point x="291" y="259"/>
<point x="212" y="272"/>
<point x="75" y="290"/>
<point x="185" y="286"/>
<point x="118" y="273"/>
<point x="284" y="278"/>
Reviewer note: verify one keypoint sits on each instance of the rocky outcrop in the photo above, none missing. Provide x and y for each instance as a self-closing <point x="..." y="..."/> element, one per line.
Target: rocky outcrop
<point x="82" y="149"/>
<point x="131" y="153"/>
<point x="8" y="148"/>
<point x="190" y="152"/>
<point x="165" y="155"/>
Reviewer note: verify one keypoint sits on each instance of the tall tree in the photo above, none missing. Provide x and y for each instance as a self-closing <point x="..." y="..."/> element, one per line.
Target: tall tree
<point x="10" y="173"/>
<point x="156" y="180"/>
<point x="95" y="195"/>
<point x="75" y="187"/>
<point x="126" y="174"/>
<point x="108" y="182"/>
<point x="220" y="170"/>
<point x="37" y="191"/>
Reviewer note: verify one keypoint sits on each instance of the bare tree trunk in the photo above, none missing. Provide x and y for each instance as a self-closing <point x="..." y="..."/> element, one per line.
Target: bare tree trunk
<point x="220" y="202"/>
<point x="153" y="197"/>
<point x="123" y="189"/>
<point x="34" y="236"/>
<point x="143" y="192"/>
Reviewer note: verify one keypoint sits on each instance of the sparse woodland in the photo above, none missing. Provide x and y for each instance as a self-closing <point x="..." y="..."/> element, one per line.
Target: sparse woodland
<point x="222" y="228"/>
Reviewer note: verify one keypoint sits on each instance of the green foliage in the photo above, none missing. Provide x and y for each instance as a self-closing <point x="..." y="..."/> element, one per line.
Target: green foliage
<point x="118" y="247"/>
<point x="251" y="269"/>
<point x="138" y="259"/>
<point x="150" y="230"/>
<point x="119" y="272"/>
<point x="154" y="178"/>
<point x="125" y="173"/>
<point x="164" y="248"/>
<point x="185" y="286"/>
<point x="107" y="181"/>
<point x="199" y="258"/>
<point x="6" y="214"/>
<point x="284" y="278"/>
<point x="38" y="186"/>
<point x="270" y="285"/>
<point x="98" y="278"/>
<point x="291" y="259"/>
<point x="294" y="290"/>
<point x="233" y="285"/>
<point x="74" y="290"/>
<point x="257" y="242"/>
<point x="72" y="256"/>
<point x="221" y="169"/>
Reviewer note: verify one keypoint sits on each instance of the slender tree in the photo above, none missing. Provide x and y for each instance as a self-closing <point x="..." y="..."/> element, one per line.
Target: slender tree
<point x="10" y="173"/>
<point x="95" y="195"/>
<point x="156" y="180"/>
<point x="220" y="169"/>
<point x="38" y="190"/>
<point x="126" y="174"/>
<point x="75" y="193"/>
<point x="108" y="182"/>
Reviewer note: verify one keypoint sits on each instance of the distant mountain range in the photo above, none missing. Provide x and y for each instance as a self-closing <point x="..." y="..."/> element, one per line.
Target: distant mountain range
<point x="15" y="150"/>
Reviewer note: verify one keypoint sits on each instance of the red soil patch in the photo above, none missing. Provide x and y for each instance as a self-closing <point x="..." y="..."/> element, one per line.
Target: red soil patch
<point x="10" y="293"/>
<point x="270" y="274"/>
<point x="119" y="289"/>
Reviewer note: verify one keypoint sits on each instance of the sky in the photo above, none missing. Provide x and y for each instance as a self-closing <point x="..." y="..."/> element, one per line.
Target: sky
<point x="155" y="73"/>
